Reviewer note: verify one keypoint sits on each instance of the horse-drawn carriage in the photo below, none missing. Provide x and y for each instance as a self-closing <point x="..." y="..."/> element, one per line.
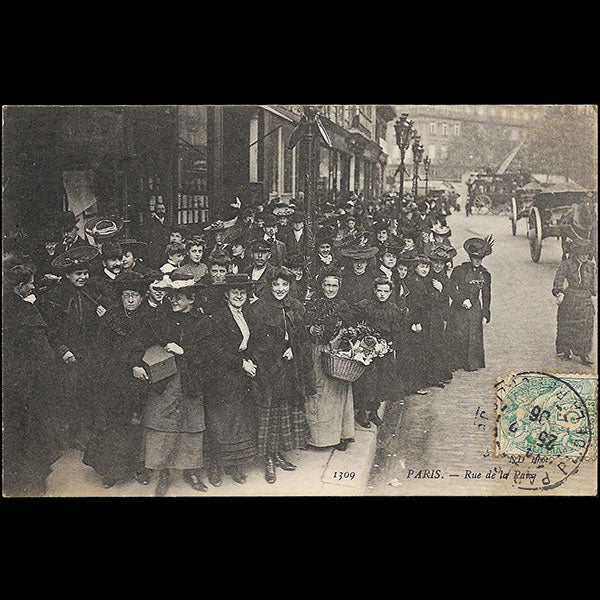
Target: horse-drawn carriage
<point x="489" y="192"/>
<point x="566" y="215"/>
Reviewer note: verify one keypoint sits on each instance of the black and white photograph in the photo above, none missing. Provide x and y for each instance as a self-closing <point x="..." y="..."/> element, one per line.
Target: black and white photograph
<point x="299" y="300"/>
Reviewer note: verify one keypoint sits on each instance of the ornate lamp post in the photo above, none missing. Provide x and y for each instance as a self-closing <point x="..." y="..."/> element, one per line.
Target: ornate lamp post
<point x="426" y="164"/>
<point x="417" y="149"/>
<point x="404" y="132"/>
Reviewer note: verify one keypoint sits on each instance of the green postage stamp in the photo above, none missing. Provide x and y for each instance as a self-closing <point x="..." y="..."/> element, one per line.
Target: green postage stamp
<point x="547" y="416"/>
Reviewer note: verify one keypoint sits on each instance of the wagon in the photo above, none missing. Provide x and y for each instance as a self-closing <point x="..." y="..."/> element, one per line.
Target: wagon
<point x="521" y="201"/>
<point x="491" y="192"/>
<point x="565" y="215"/>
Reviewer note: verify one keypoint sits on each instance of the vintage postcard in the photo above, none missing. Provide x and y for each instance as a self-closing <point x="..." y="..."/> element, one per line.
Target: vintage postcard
<point x="299" y="300"/>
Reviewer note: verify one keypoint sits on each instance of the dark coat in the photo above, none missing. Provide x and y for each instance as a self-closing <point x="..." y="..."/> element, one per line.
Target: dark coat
<point x="156" y="235"/>
<point x="70" y="313"/>
<point x="291" y="245"/>
<point x="29" y="377"/>
<point x="355" y="288"/>
<point x="229" y="406"/>
<point x="465" y="326"/>
<point x="263" y="282"/>
<point x="292" y="380"/>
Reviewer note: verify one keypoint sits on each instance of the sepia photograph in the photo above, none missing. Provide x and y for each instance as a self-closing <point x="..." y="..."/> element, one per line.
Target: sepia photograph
<point x="299" y="300"/>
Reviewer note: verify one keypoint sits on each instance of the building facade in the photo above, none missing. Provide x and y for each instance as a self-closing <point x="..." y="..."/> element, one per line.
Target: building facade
<point x="196" y="159"/>
<point x="460" y="138"/>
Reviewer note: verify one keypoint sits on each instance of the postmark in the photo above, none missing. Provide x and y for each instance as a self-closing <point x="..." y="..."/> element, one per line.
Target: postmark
<point x="546" y="425"/>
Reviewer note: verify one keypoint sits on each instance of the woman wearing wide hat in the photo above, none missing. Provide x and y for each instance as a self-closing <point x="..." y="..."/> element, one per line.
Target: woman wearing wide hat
<point x="174" y="415"/>
<point x="231" y="434"/>
<point x="115" y="451"/>
<point x="73" y="311"/>
<point x="285" y="375"/>
<point x="470" y="292"/>
<point x="574" y="285"/>
<point x="358" y="278"/>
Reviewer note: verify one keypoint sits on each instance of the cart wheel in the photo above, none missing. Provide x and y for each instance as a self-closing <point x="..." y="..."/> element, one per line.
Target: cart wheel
<point x="515" y="215"/>
<point x="481" y="204"/>
<point x="535" y="233"/>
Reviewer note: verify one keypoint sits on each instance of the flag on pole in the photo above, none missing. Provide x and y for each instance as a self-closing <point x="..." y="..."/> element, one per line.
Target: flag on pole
<point x="300" y="131"/>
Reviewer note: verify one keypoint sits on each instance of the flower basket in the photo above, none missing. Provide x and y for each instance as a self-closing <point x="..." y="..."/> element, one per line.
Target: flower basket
<point x="339" y="367"/>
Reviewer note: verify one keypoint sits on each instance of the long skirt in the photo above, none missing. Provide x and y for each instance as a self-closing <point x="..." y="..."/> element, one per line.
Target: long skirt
<point x="379" y="383"/>
<point x="329" y="412"/>
<point x="230" y="425"/>
<point x="575" y="326"/>
<point x="438" y="357"/>
<point x="412" y="365"/>
<point x="173" y="429"/>
<point x="466" y="337"/>
<point x="281" y="427"/>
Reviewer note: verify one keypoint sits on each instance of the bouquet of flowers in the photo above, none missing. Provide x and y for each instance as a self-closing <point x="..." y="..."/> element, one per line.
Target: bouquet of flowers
<point x="361" y="343"/>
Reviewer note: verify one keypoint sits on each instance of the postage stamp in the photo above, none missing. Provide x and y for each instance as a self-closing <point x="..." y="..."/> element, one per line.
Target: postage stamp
<point x="550" y="419"/>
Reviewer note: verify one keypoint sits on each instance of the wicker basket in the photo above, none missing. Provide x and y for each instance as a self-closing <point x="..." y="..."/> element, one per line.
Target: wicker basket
<point x="341" y="368"/>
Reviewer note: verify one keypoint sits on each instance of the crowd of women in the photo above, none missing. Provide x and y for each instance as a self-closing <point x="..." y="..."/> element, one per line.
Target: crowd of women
<point x="241" y="318"/>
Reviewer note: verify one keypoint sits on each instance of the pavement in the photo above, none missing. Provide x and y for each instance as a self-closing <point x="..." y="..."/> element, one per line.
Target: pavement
<point x="451" y="430"/>
<point x="320" y="472"/>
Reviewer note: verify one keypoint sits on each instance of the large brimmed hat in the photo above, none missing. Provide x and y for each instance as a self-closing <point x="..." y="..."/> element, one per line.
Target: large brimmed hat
<point x="356" y="253"/>
<point x="394" y="249"/>
<point x="219" y="226"/>
<point x="75" y="258"/>
<point x="283" y="210"/>
<point x="179" y="280"/>
<point x="132" y="245"/>
<point x="478" y="247"/>
<point x="297" y="217"/>
<point x="130" y="280"/>
<point x="101" y="228"/>
<point x="439" y="229"/>
<point x="236" y="280"/>
<point x="442" y="253"/>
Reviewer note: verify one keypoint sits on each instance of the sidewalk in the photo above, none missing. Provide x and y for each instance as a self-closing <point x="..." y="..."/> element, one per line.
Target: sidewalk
<point x="318" y="474"/>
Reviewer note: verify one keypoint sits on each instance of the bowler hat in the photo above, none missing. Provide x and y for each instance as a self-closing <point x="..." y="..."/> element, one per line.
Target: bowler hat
<point x="298" y="217"/>
<point x="75" y="258"/>
<point x="270" y="220"/>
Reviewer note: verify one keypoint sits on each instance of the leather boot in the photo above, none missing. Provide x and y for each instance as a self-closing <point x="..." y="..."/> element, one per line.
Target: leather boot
<point x="270" y="469"/>
<point x="374" y="418"/>
<point x="164" y="481"/>
<point x="342" y="445"/>
<point x="214" y="474"/>
<point x="282" y="462"/>
<point x="362" y="419"/>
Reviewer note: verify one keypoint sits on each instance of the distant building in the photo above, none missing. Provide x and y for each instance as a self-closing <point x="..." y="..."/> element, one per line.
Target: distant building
<point x="460" y="138"/>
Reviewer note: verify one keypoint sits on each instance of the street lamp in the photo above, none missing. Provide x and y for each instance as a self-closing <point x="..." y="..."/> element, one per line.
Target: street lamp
<point x="417" y="149"/>
<point x="404" y="132"/>
<point x="426" y="164"/>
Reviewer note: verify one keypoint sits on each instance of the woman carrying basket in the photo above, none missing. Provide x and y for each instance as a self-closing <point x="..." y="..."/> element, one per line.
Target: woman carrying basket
<point x="329" y="412"/>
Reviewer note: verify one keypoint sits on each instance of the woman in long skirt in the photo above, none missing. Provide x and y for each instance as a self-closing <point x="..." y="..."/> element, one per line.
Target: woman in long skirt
<point x="574" y="285"/>
<point x="470" y="291"/>
<point x="285" y="376"/>
<point x="174" y="415"/>
<point x="115" y="450"/>
<point x="380" y="381"/>
<point x="329" y="412"/>
<point x="231" y="428"/>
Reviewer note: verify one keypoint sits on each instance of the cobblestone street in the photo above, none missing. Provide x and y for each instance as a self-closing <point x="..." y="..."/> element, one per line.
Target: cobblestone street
<point x="446" y="429"/>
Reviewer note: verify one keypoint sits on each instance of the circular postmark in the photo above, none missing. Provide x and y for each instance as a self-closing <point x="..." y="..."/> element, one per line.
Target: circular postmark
<point x="544" y="428"/>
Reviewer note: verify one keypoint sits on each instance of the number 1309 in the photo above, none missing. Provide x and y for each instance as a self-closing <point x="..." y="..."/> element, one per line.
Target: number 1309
<point x="339" y="475"/>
